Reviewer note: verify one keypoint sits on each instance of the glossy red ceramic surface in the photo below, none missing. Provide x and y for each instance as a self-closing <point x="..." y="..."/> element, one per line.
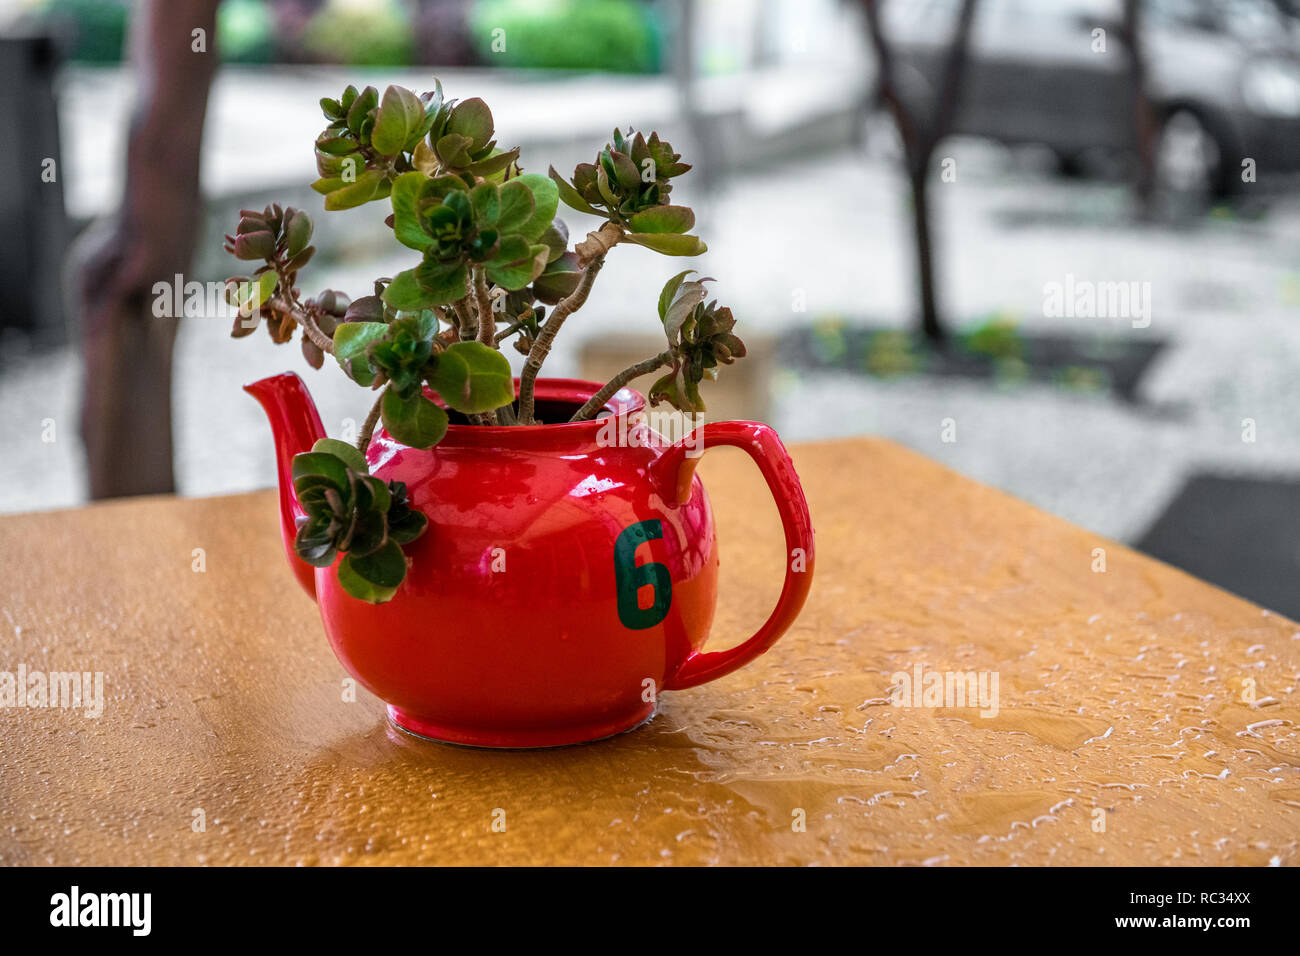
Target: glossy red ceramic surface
<point x="568" y="574"/>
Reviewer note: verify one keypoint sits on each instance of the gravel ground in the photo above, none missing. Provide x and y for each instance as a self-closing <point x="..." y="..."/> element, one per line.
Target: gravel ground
<point x="833" y="232"/>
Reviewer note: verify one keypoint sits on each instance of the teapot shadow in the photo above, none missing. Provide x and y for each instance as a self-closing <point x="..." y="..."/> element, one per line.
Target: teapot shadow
<point x="389" y="797"/>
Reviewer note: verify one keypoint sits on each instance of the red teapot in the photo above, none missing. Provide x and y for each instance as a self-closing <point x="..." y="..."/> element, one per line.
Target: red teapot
<point x="568" y="574"/>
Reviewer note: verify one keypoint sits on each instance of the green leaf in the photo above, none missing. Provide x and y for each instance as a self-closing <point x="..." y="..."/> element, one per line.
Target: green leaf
<point x="259" y="290"/>
<point x="688" y="297"/>
<point x="327" y="185"/>
<point x="335" y="145"/>
<point x="413" y="421"/>
<point x="319" y="465"/>
<point x="370" y="530"/>
<point x="679" y="392"/>
<point x="369" y="185"/>
<point x="453" y="149"/>
<point x="572" y="198"/>
<point x="373" y="494"/>
<point x="472" y="377"/>
<point x="558" y="280"/>
<point x="494" y="163"/>
<point x="442" y="282"/>
<point x="514" y="274"/>
<point x="385" y="567"/>
<point x="350" y="342"/>
<point x="405" y="292"/>
<point x="472" y="119"/>
<point x="556" y="239"/>
<point x="315" y="544"/>
<point x="255" y="245"/>
<point x="669" y="244"/>
<point x="511" y="249"/>
<point x="366" y="100"/>
<point x="361" y="587"/>
<point x="408" y="229"/>
<point x="663" y="219"/>
<point x="625" y="171"/>
<point x="546" y="199"/>
<point x="297" y="233"/>
<point x="406" y="524"/>
<point x="349" y="454"/>
<point x="486" y="200"/>
<point x="669" y="291"/>
<point x="400" y="112"/>
<point x="603" y="187"/>
<point x="516" y="206"/>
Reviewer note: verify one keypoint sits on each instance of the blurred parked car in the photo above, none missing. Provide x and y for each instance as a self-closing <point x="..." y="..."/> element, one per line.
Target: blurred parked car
<point x="1223" y="76"/>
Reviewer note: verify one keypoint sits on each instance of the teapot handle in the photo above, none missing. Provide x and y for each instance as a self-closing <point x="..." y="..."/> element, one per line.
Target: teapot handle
<point x="676" y="467"/>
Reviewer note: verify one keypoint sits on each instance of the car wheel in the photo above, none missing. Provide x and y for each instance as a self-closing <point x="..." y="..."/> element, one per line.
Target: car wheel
<point x="1189" y="157"/>
<point x="1070" y="165"/>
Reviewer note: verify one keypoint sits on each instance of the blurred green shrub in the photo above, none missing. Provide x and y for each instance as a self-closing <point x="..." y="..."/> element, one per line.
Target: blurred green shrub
<point x="998" y="337"/>
<point x="98" y="27"/>
<point x="245" y="32"/>
<point x="892" y="353"/>
<point x="617" y="36"/>
<point x="378" y="35"/>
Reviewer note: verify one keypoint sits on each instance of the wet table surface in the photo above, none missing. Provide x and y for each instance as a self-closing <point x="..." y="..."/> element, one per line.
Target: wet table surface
<point x="1142" y="716"/>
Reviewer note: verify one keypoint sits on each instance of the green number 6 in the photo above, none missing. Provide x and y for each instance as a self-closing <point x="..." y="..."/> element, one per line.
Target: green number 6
<point x="629" y="577"/>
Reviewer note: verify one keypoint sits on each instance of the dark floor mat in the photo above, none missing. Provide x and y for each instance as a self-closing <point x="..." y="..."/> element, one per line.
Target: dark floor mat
<point x="1242" y="534"/>
<point x="1110" y="363"/>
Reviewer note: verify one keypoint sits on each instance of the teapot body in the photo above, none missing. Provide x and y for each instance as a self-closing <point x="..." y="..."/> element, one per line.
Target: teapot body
<point x="557" y="588"/>
<point x="568" y="572"/>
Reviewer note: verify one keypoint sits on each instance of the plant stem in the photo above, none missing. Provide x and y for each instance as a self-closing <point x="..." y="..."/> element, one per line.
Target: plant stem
<point x="304" y="317"/>
<point x="313" y="332"/>
<point x="368" y="429"/>
<point x="598" y="243"/>
<point x="542" y="347"/>
<point x="291" y="303"/>
<point x="487" y="320"/>
<point x="468" y="327"/>
<point x="597" y="401"/>
<point x="508" y="331"/>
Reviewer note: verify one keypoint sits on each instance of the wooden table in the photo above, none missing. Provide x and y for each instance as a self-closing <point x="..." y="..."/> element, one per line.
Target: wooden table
<point x="1144" y="716"/>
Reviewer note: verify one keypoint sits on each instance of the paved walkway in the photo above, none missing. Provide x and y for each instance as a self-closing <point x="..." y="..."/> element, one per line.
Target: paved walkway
<point x="834" y="230"/>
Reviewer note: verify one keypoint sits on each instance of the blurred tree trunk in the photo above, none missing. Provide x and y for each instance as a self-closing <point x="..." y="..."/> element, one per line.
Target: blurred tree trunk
<point x="126" y="421"/>
<point x="920" y="135"/>
<point x="1145" y="127"/>
<point x="442" y="35"/>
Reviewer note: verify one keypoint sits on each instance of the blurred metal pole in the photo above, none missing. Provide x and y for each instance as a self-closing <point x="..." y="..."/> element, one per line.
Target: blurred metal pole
<point x="126" y="405"/>
<point x="31" y="189"/>
<point x="685" y="79"/>
<point x="1144" y="119"/>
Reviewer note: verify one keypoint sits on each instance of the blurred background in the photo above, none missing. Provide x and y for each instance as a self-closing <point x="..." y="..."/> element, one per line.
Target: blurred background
<point x="1052" y="244"/>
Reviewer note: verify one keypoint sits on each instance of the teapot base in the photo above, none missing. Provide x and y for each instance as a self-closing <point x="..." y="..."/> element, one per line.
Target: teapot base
<point x="521" y="739"/>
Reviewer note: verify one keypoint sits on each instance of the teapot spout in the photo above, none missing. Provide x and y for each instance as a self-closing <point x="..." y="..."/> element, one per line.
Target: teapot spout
<point x="296" y="426"/>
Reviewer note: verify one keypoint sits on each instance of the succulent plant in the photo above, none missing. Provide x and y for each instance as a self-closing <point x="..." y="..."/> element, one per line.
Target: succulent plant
<point x="629" y="185"/>
<point x="491" y="253"/>
<point x="700" y="338"/>
<point x="355" y="515"/>
<point x="458" y="228"/>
